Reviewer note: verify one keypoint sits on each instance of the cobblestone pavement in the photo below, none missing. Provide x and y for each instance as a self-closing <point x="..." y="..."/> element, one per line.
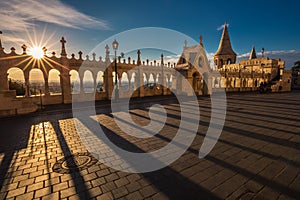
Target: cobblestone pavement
<point x="256" y="157"/>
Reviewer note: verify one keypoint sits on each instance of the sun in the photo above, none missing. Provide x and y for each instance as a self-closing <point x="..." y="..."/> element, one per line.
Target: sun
<point x="36" y="52"/>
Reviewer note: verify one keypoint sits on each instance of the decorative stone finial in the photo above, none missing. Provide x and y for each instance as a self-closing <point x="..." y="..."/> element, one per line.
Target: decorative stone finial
<point x="185" y="43"/>
<point x="139" y="57"/>
<point x="100" y="58"/>
<point x="87" y="57"/>
<point x="73" y="55"/>
<point x="63" y="49"/>
<point x="53" y="53"/>
<point x="94" y="56"/>
<point x="44" y="50"/>
<point x="162" y="59"/>
<point x="80" y="55"/>
<point x="262" y="52"/>
<point x="201" y="43"/>
<point x="24" y="47"/>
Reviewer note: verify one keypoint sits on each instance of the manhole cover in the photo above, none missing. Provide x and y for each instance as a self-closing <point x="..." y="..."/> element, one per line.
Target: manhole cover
<point x="75" y="162"/>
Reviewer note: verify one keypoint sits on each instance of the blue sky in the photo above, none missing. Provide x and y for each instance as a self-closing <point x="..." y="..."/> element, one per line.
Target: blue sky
<point x="273" y="25"/>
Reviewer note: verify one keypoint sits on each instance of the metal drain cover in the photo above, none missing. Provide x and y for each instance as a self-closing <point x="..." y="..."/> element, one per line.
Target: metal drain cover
<point x="75" y="162"/>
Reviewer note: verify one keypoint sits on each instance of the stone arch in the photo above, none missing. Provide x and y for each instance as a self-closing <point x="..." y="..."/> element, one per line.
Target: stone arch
<point x="124" y="82"/>
<point x="170" y="81"/>
<point x="88" y="82"/>
<point x="113" y="76"/>
<point x="133" y="81"/>
<point x="221" y="62"/>
<point x="36" y="82"/>
<point x="157" y="80"/>
<point x="16" y="81"/>
<point x="100" y="84"/>
<point x="204" y="83"/>
<point x="151" y="81"/>
<point x="196" y="82"/>
<point x="74" y="81"/>
<point x="228" y="61"/>
<point x="54" y="82"/>
<point x="145" y="80"/>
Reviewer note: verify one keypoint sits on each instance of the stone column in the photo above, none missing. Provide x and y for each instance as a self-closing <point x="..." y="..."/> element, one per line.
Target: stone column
<point x="4" y="81"/>
<point x="47" y="92"/>
<point x="27" y="90"/>
<point x="108" y="79"/>
<point x="95" y="83"/>
<point x="66" y="87"/>
<point x="141" y="82"/>
<point x="81" y="84"/>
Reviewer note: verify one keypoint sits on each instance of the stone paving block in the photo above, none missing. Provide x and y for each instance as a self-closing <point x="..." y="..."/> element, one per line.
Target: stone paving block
<point x="60" y="186"/>
<point x="35" y="186"/>
<point x="42" y="192"/>
<point x="105" y="196"/>
<point x="52" y="196"/>
<point x="229" y="186"/>
<point x="119" y="192"/>
<point x="16" y="192"/>
<point x="67" y="192"/>
<point x="147" y="191"/>
<point x="107" y="187"/>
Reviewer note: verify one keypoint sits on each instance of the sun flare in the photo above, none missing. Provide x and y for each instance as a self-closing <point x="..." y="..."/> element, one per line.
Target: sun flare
<point x="36" y="52"/>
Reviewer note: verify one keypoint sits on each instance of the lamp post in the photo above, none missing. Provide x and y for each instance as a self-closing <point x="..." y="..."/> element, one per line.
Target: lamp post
<point x="115" y="45"/>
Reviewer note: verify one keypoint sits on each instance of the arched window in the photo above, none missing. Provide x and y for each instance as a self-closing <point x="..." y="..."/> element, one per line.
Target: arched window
<point x="221" y="62"/>
<point x="75" y="82"/>
<point x="100" y="82"/>
<point x="151" y="81"/>
<point x="145" y="80"/>
<point x="16" y="81"/>
<point x="170" y="81"/>
<point x="124" y="82"/>
<point x="54" y="82"/>
<point x="36" y="82"/>
<point x="88" y="82"/>
<point x="157" y="80"/>
<point x="132" y="81"/>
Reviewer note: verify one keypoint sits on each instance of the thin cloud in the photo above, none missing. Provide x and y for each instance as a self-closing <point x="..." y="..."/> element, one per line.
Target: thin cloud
<point x="16" y="15"/>
<point x="221" y="27"/>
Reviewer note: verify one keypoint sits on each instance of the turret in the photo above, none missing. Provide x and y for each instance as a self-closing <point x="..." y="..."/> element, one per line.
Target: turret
<point x="225" y="53"/>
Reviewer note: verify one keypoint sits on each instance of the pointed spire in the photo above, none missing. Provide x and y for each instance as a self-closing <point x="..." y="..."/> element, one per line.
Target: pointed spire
<point x="252" y="54"/>
<point x="225" y="47"/>
<point x="1" y="48"/>
<point x="63" y="49"/>
<point x="139" y="58"/>
<point x="107" y="53"/>
<point x="162" y="59"/>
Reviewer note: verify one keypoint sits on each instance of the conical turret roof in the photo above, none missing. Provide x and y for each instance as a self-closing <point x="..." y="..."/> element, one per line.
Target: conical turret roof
<point x="225" y="47"/>
<point x="252" y="54"/>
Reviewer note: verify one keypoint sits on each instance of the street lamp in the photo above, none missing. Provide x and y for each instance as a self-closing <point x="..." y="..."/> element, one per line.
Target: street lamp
<point x="115" y="45"/>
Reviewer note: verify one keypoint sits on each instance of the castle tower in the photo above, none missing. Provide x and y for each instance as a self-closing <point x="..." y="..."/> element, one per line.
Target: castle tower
<point x="224" y="54"/>
<point x="252" y="54"/>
